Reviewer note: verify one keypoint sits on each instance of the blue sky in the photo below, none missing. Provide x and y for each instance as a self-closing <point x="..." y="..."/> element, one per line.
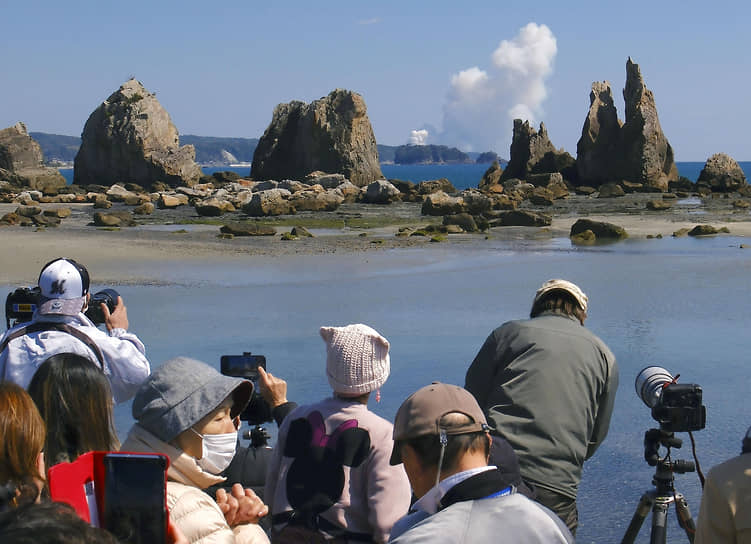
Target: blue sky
<point x="220" y="68"/>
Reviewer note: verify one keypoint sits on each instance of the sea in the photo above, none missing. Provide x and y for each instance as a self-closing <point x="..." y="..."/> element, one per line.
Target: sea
<point x="679" y="303"/>
<point x="462" y="176"/>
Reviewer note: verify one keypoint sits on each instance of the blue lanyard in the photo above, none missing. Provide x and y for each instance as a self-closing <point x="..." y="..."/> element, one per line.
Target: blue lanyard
<point x="501" y="493"/>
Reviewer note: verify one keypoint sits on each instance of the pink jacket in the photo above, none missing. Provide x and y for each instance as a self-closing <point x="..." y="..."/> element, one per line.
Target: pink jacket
<point x="374" y="494"/>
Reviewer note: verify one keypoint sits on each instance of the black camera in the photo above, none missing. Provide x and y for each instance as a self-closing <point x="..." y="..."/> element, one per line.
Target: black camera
<point x="20" y="305"/>
<point x="105" y="296"/>
<point x="246" y="366"/>
<point x="677" y="407"/>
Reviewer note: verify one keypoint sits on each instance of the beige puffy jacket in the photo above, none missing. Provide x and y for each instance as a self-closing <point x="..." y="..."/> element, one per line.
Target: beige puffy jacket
<point x="194" y="512"/>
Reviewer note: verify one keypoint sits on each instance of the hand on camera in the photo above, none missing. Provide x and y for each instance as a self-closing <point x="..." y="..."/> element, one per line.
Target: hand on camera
<point x="273" y="389"/>
<point x="118" y="319"/>
<point x="241" y="505"/>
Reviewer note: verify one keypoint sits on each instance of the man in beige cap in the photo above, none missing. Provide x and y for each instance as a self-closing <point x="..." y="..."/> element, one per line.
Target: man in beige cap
<point x="441" y="436"/>
<point x="548" y="386"/>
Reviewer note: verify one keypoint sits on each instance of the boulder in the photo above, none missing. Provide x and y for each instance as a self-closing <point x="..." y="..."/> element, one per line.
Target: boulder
<point x="170" y="201"/>
<point x="130" y="136"/>
<point x="463" y="220"/>
<point x="610" y="190"/>
<point x="722" y="173"/>
<point x="349" y="191"/>
<point x="332" y="134"/>
<point x="532" y="152"/>
<point x="247" y="229"/>
<point x="266" y="185"/>
<point x="435" y="185"/>
<point x="541" y="197"/>
<point x="213" y="207"/>
<point x="292" y="186"/>
<point x="408" y="189"/>
<point x="706" y="230"/>
<point x="315" y="201"/>
<point x="302" y="232"/>
<point x="523" y="218"/>
<point x="327" y="181"/>
<point x="113" y="219"/>
<point x="60" y="213"/>
<point x="442" y="204"/>
<point x="271" y="202"/>
<point x="475" y="202"/>
<point x="118" y="193"/>
<point x="380" y="192"/>
<point x="601" y="229"/>
<point x="22" y="161"/>
<point x="584" y="238"/>
<point x="147" y="208"/>
<point x="28" y="211"/>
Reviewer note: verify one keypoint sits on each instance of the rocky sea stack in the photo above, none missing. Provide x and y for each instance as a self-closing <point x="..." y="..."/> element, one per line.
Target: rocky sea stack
<point x="636" y="151"/>
<point x="22" y="164"/>
<point x="332" y="134"/>
<point x="130" y="138"/>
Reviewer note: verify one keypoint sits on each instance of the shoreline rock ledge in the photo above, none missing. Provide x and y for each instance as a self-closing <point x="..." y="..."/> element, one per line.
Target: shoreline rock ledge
<point x="332" y="134"/>
<point x="130" y="138"/>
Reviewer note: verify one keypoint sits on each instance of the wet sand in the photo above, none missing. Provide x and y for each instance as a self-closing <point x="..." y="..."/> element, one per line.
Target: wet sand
<point x="112" y="253"/>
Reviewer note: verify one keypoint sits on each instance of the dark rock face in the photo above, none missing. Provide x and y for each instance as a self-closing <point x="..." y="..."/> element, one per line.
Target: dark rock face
<point x="722" y="173"/>
<point x="636" y="151"/>
<point x="332" y="134"/>
<point x="491" y="177"/>
<point x="21" y="161"/>
<point x="600" y="137"/>
<point x="523" y="218"/>
<point x="601" y="229"/>
<point x="131" y="138"/>
<point x="532" y="152"/>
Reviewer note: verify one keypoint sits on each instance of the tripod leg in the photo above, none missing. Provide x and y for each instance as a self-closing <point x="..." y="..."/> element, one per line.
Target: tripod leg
<point x="660" y="520"/>
<point x="642" y="509"/>
<point x="684" y="517"/>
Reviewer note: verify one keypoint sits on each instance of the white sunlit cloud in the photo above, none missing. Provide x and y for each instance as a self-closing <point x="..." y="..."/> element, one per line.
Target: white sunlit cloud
<point x="481" y="104"/>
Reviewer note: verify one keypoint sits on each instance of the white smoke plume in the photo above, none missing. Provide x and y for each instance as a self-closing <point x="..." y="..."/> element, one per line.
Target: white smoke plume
<point x="481" y="104"/>
<point x="418" y="137"/>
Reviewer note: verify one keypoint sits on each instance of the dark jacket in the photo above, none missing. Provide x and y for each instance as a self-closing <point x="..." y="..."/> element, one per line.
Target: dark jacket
<point x="548" y="386"/>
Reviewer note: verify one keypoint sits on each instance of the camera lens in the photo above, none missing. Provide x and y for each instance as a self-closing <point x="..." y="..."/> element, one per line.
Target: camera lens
<point x="649" y="384"/>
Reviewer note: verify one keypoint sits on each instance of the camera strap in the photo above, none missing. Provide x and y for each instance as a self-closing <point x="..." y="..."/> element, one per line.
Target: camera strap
<point x="61" y="327"/>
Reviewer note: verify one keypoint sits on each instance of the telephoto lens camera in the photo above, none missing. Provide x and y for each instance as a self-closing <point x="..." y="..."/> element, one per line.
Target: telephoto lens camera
<point x="105" y="296"/>
<point x="676" y="407"/>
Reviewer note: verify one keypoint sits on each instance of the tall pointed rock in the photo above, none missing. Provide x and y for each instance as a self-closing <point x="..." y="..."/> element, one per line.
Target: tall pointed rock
<point x="131" y="138"/>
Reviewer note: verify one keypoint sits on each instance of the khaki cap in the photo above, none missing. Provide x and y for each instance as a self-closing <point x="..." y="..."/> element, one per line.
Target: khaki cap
<point x="420" y="414"/>
<point x="563" y="285"/>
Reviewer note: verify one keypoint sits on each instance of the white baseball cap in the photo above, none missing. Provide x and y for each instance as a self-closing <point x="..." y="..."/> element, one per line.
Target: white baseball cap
<point x="63" y="284"/>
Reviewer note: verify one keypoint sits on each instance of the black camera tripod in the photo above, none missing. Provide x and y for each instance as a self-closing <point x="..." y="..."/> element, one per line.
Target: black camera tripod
<point x="658" y="500"/>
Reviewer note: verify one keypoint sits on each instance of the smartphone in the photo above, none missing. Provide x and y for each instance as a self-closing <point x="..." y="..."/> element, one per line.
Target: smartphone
<point x="135" y="504"/>
<point x="242" y="366"/>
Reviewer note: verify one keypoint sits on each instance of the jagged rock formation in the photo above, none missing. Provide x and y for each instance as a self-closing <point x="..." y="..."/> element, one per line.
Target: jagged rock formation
<point x="131" y="138"/>
<point x="332" y="134"/>
<point x="21" y="161"/>
<point x="637" y="150"/>
<point x="722" y="173"/>
<point x="532" y="152"/>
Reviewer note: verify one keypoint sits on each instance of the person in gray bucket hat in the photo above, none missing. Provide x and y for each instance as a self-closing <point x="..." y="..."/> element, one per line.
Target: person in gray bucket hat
<point x="190" y="412"/>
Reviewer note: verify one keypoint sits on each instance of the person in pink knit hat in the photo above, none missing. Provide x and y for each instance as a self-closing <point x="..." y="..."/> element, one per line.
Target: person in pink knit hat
<point x="329" y="479"/>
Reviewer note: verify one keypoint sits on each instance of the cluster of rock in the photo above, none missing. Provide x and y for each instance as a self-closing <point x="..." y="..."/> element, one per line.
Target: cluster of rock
<point x="332" y="134"/>
<point x="22" y="163"/>
<point x="130" y="138"/>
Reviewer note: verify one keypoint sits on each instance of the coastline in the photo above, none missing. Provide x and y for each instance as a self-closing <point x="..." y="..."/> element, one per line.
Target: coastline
<point x="123" y="256"/>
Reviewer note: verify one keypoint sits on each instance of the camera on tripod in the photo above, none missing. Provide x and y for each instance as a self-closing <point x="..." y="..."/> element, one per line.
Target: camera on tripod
<point x="676" y="407"/>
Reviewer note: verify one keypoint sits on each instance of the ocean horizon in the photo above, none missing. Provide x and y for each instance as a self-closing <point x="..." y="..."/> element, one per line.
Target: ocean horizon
<point x="462" y="176"/>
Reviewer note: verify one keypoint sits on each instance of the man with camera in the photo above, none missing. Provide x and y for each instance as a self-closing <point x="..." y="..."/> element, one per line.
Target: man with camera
<point x="548" y="386"/>
<point x="60" y="326"/>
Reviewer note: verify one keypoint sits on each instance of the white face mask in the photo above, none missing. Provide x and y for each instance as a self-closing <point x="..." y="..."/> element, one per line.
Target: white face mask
<point x="217" y="451"/>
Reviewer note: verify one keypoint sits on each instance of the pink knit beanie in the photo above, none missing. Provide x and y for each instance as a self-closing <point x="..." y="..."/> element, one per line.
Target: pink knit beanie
<point x="357" y="359"/>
